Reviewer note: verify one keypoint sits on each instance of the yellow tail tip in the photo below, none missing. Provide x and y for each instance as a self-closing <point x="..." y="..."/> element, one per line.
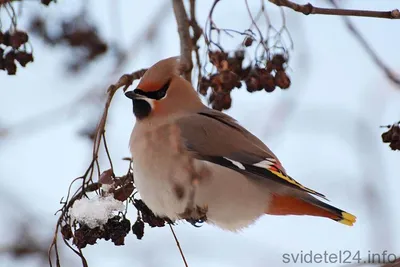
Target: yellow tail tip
<point x="347" y="219"/>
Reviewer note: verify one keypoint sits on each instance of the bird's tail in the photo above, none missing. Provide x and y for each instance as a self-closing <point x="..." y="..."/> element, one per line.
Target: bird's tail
<point x="292" y="205"/>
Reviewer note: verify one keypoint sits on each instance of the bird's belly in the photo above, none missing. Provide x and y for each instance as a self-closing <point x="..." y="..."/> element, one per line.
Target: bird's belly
<point x="157" y="192"/>
<point x="232" y="201"/>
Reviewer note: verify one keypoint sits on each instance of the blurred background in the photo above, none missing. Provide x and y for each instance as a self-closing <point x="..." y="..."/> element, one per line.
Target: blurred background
<point x="324" y="128"/>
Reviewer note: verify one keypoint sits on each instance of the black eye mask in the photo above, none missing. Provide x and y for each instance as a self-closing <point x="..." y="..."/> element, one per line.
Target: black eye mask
<point x="157" y="95"/>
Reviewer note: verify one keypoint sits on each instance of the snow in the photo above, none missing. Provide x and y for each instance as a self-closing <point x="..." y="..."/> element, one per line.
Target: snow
<point x="96" y="211"/>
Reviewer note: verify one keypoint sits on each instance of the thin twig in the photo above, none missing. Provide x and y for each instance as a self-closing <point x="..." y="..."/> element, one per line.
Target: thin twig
<point x="308" y="9"/>
<point x="107" y="152"/>
<point x="256" y="26"/>
<point x="185" y="40"/>
<point x="378" y="61"/>
<point x="197" y="33"/>
<point x="178" y="245"/>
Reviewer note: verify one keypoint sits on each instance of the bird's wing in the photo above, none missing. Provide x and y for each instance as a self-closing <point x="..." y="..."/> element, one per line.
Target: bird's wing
<point x="215" y="137"/>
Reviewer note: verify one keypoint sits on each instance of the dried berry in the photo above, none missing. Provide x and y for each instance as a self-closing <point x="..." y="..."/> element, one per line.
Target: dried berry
<point x="277" y="61"/>
<point x="269" y="66"/>
<point x="9" y="63"/>
<point x="148" y="216"/>
<point x="235" y="65"/>
<point x="216" y="100"/>
<point x="387" y="137"/>
<point x="23" y="58"/>
<point x="220" y="101"/>
<point x="6" y="38"/>
<point x="204" y="85"/>
<point x="226" y="101"/>
<point x="66" y="232"/>
<point x="229" y="80"/>
<point x="138" y="228"/>
<point x="124" y="192"/>
<point x="282" y="80"/>
<point x="106" y="177"/>
<point x="18" y="38"/>
<point x="392" y="136"/>
<point x="253" y="82"/>
<point x="267" y="81"/>
<point x="248" y="41"/>
<point x="217" y="58"/>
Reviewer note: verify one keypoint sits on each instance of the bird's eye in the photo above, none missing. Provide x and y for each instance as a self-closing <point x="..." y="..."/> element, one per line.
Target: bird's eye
<point x="161" y="94"/>
<point x="157" y="95"/>
<point x="163" y="91"/>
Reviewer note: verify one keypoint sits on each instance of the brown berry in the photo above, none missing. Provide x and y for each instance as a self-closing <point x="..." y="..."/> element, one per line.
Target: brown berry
<point x="204" y="85"/>
<point x="9" y="63"/>
<point x="23" y="58"/>
<point x="267" y="81"/>
<point x="124" y="192"/>
<point x="6" y="38"/>
<point x="269" y="67"/>
<point x="138" y="228"/>
<point x="282" y="80"/>
<point x="18" y="38"/>
<point x="248" y="41"/>
<point x="387" y="137"/>
<point x="66" y="232"/>
<point x="226" y="101"/>
<point x="253" y="83"/>
<point x="217" y="57"/>
<point x="217" y="101"/>
<point x="277" y="61"/>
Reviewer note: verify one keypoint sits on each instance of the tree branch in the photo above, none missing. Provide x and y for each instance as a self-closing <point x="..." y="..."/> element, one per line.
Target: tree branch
<point x="378" y="61"/>
<point x="185" y="39"/>
<point x="308" y="9"/>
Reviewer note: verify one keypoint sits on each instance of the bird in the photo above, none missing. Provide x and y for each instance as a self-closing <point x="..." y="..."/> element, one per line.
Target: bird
<point x="194" y="163"/>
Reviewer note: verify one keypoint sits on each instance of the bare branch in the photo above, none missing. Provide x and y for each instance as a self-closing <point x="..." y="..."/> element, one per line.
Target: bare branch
<point x="179" y="246"/>
<point x="185" y="39"/>
<point x="378" y="61"/>
<point x="308" y="9"/>
<point x="197" y="33"/>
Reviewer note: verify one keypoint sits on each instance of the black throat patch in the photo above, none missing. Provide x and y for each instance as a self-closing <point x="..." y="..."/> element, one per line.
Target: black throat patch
<point x="141" y="108"/>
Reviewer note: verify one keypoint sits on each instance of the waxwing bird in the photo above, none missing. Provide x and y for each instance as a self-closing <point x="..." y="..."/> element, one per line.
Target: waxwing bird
<point x="195" y="163"/>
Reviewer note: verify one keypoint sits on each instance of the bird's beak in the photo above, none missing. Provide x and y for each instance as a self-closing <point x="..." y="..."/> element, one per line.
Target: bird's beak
<point x="133" y="96"/>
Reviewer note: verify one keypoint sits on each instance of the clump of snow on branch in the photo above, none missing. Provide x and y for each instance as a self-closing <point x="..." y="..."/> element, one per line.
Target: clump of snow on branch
<point x="95" y="212"/>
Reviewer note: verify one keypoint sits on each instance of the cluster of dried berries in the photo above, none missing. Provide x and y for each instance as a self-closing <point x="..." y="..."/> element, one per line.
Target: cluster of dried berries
<point x="269" y="77"/>
<point x="11" y="41"/>
<point x="231" y="73"/>
<point x="392" y="136"/>
<point x="145" y="215"/>
<point x="77" y="33"/>
<point x="148" y="216"/>
<point x="115" y="230"/>
<point x="121" y="187"/>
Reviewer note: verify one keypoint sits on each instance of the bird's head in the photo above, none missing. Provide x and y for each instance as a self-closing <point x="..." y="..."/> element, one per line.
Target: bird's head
<point x="162" y="91"/>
